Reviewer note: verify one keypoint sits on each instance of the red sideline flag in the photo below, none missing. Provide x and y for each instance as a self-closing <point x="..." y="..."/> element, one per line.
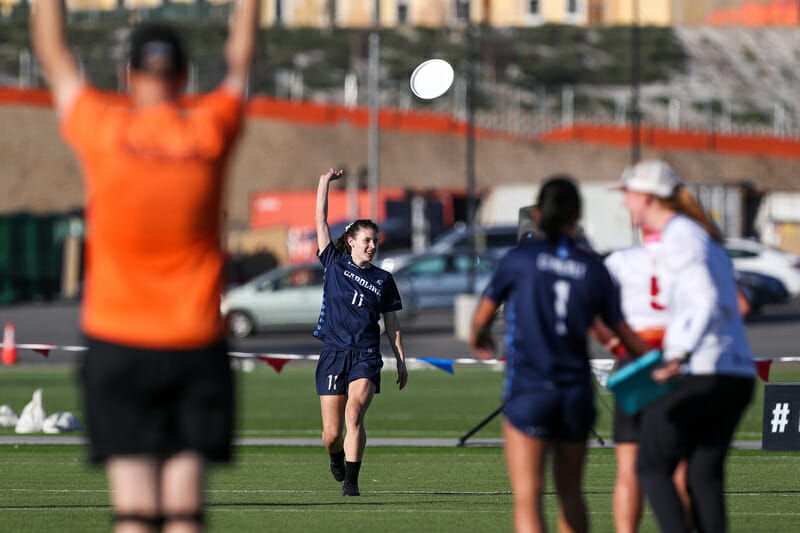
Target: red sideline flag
<point x="274" y="362"/>
<point x="762" y="366"/>
<point x="43" y="349"/>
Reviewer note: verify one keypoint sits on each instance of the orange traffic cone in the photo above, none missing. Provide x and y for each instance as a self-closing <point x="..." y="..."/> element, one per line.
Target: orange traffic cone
<point x="9" y="354"/>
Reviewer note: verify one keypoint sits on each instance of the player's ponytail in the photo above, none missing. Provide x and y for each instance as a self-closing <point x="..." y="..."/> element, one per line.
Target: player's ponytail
<point x="684" y="203"/>
<point x="559" y="206"/>
<point x="352" y="230"/>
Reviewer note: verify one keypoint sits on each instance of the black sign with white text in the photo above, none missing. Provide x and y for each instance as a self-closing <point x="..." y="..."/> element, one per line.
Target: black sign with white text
<point x="781" y="430"/>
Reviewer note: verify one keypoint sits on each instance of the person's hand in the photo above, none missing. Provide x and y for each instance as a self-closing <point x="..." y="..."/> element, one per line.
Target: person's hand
<point x="611" y="344"/>
<point x="402" y="374"/>
<point x="483" y="344"/>
<point x="668" y="371"/>
<point x="332" y="175"/>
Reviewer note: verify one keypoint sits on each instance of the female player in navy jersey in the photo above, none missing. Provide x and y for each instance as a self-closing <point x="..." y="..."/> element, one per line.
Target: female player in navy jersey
<point x="552" y="290"/>
<point x="355" y="295"/>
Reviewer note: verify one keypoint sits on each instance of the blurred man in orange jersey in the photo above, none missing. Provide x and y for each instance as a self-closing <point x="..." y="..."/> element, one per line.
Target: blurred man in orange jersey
<point x="158" y="389"/>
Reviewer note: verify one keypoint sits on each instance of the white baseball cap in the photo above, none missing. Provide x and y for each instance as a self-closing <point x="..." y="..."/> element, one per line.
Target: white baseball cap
<point x="651" y="176"/>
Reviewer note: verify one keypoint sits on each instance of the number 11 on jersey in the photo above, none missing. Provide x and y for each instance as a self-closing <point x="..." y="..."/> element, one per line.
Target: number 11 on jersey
<point x="358" y="298"/>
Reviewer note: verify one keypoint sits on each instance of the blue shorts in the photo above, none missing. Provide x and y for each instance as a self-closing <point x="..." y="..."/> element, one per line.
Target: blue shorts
<point x="337" y="367"/>
<point x="556" y="413"/>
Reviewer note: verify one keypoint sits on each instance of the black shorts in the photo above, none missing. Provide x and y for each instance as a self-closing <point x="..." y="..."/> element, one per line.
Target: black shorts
<point x="157" y="402"/>
<point x="627" y="428"/>
<point x="337" y="367"/>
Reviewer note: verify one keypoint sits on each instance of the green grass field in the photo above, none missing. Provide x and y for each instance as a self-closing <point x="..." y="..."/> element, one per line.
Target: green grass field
<point x="51" y="489"/>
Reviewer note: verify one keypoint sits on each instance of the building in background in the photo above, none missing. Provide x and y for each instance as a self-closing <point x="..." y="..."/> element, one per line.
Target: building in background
<point x="498" y="13"/>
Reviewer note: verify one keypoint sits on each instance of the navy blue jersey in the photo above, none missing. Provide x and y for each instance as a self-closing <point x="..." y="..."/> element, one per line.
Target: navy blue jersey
<point x="552" y="294"/>
<point x="353" y="299"/>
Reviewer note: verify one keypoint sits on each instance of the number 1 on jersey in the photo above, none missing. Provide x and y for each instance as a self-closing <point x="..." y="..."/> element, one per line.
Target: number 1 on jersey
<point x="561" y="290"/>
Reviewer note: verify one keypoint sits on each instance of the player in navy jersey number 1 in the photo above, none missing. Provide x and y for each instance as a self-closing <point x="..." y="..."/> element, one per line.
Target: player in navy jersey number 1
<point x="355" y="296"/>
<point x="553" y="290"/>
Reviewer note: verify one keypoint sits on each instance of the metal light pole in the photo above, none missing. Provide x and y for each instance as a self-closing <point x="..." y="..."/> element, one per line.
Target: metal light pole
<point x="465" y="304"/>
<point x="373" y="87"/>
<point x="470" y="150"/>
<point x="635" y="75"/>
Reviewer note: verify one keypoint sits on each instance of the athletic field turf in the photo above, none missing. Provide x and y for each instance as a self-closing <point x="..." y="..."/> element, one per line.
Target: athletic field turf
<point x="51" y="489"/>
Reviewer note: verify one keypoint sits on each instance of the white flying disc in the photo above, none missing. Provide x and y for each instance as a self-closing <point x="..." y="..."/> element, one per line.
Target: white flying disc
<point x="432" y="78"/>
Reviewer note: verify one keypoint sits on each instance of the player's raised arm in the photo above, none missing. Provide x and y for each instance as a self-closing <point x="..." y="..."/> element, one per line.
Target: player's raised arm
<point x="50" y="44"/>
<point x="241" y="45"/>
<point x="321" y="210"/>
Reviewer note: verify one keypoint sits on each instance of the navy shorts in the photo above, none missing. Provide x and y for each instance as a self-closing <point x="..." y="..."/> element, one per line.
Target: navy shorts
<point x="337" y="367"/>
<point x="157" y="402"/>
<point x="555" y="413"/>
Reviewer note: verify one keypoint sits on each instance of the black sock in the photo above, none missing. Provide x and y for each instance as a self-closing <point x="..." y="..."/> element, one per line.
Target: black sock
<point x="337" y="457"/>
<point x="351" y="472"/>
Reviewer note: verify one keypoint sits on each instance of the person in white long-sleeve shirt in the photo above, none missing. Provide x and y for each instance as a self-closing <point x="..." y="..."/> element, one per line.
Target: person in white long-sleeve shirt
<point x="705" y="347"/>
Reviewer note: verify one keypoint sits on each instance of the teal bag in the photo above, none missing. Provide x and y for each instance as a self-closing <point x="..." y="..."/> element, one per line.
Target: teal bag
<point x="633" y="386"/>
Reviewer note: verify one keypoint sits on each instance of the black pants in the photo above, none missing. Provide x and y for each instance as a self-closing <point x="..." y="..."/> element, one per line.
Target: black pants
<point x="696" y="421"/>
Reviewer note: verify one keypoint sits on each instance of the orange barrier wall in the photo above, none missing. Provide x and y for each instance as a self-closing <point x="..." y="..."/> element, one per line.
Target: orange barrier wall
<point x="664" y="139"/>
<point x="29" y="97"/>
<point x="312" y="113"/>
<point x="330" y="114"/>
<point x="776" y="13"/>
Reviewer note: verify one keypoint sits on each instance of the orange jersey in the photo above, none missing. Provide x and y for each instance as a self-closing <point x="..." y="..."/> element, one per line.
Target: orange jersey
<point x="153" y="180"/>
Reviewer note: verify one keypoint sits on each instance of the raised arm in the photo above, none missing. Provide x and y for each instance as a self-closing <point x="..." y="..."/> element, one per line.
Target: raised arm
<point x="50" y="44"/>
<point x="321" y="211"/>
<point x="241" y="45"/>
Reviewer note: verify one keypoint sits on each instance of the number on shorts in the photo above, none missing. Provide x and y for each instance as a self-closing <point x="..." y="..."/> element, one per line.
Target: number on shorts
<point x="332" y="381"/>
<point x="561" y="289"/>
<point x="358" y="298"/>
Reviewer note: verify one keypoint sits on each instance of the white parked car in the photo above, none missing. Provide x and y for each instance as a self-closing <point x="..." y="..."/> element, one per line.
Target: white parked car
<point x="286" y="297"/>
<point x="749" y="255"/>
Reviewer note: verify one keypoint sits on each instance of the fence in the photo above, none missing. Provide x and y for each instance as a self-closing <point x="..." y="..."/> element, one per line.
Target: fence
<point x="31" y="251"/>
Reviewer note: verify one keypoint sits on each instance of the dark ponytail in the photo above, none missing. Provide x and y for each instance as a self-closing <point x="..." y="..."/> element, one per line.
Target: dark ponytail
<point x="352" y="230"/>
<point x="559" y="205"/>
